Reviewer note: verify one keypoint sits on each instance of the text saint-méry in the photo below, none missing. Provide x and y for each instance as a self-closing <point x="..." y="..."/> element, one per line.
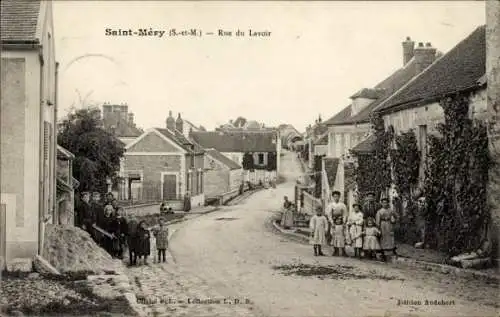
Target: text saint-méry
<point x="130" y="32"/>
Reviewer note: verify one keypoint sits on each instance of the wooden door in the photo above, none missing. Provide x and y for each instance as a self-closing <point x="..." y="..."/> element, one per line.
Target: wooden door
<point x="169" y="186"/>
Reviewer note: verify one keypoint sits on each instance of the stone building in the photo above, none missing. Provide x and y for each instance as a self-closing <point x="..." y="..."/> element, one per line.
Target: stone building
<point x="222" y="175"/>
<point x="28" y="127"/>
<point x="351" y="125"/>
<point x="416" y="105"/>
<point x="163" y="165"/>
<point x="264" y="148"/>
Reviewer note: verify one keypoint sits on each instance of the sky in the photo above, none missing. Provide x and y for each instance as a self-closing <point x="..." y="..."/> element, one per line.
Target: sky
<point x="317" y="55"/>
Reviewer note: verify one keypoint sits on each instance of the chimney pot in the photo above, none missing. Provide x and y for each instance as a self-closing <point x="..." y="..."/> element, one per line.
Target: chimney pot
<point x="424" y="56"/>
<point x="420" y="44"/>
<point x="408" y="50"/>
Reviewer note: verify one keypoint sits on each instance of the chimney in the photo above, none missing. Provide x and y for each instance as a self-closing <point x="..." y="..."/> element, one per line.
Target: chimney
<point x="424" y="56"/>
<point x="123" y="111"/>
<point x="179" y="124"/>
<point x="131" y="119"/>
<point x="170" y="122"/>
<point x="408" y="50"/>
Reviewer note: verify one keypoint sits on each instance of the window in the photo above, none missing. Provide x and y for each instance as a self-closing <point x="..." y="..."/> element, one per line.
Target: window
<point x="261" y="159"/>
<point x="201" y="182"/>
<point x="188" y="183"/>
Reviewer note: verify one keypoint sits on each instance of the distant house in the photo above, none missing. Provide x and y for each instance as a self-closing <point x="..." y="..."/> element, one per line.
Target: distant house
<point x="288" y="135"/>
<point x="66" y="186"/>
<point x="28" y="127"/>
<point x="162" y="164"/>
<point x="222" y="175"/>
<point x="120" y="122"/>
<point x="351" y="126"/>
<point x="260" y="150"/>
<point x="320" y="147"/>
<point x="317" y="141"/>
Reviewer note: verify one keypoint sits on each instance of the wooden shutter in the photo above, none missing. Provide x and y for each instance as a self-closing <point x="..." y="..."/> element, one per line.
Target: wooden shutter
<point x="46" y="140"/>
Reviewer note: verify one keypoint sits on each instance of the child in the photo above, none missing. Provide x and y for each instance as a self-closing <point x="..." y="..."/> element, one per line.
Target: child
<point x="338" y="241"/>
<point x="356" y="229"/>
<point x="132" y="240"/>
<point x="121" y="232"/>
<point x="161" y="235"/>
<point x="318" y="225"/>
<point x="143" y="242"/>
<point x="371" y="233"/>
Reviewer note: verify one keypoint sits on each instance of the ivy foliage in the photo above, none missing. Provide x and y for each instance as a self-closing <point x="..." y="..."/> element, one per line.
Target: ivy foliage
<point x="456" y="179"/>
<point x="248" y="163"/>
<point x="373" y="170"/>
<point x="272" y="161"/>
<point x="97" y="152"/>
<point x="405" y="162"/>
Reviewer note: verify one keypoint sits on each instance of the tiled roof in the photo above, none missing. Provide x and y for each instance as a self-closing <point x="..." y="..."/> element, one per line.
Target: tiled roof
<point x="223" y="159"/>
<point x="123" y="129"/>
<point x="457" y="70"/>
<point x="366" y="146"/>
<point x="18" y="20"/>
<point x="340" y="117"/>
<point x="368" y="93"/>
<point x="384" y="90"/>
<point x="236" y="142"/>
<point x="320" y="128"/>
<point x="323" y="140"/>
<point x="331" y="166"/>
<point x="180" y="140"/>
<point x="390" y="85"/>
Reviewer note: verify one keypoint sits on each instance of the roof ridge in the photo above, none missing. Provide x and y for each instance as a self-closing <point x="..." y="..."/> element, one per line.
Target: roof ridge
<point x="442" y="59"/>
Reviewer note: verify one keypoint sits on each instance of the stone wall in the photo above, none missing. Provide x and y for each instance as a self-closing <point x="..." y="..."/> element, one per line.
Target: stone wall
<point x="493" y="100"/>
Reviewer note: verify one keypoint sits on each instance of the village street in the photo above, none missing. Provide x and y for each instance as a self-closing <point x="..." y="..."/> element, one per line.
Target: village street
<point x="234" y="253"/>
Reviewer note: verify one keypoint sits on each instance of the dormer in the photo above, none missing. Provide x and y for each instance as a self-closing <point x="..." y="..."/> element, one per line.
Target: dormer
<point x="363" y="98"/>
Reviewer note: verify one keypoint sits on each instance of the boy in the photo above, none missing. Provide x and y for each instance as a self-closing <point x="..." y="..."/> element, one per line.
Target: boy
<point x="161" y="235"/>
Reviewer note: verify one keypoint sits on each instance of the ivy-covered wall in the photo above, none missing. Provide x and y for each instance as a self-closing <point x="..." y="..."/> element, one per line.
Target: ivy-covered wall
<point x="493" y="77"/>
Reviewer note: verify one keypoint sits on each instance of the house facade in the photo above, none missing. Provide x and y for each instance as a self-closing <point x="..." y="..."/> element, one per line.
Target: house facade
<point x="351" y="126"/>
<point x="261" y="148"/>
<point x="28" y="127"/>
<point x="163" y="165"/>
<point x="222" y="175"/>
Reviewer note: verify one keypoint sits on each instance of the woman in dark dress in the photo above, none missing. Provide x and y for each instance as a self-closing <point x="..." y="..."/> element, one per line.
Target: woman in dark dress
<point x="132" y="240"/>
<point x="120" y="231"/>
<point x="108" y="224"/>
<point x="143" y="248"/>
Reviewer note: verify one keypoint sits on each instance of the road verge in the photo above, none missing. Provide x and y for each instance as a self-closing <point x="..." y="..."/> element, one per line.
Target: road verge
<point x="302" y="237"/>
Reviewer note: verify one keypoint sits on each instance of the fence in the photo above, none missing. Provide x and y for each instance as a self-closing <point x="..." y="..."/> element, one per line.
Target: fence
<point x="145" y="193"/>
<point x="310" y="204"/>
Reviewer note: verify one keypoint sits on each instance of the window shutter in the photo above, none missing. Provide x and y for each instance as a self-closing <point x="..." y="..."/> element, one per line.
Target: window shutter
<point x="46" y="140"/>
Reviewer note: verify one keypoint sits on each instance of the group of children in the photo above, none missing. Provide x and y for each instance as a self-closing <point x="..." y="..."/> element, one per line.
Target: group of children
<point x="367" y="235"/>
<point x="106" y="223"/>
